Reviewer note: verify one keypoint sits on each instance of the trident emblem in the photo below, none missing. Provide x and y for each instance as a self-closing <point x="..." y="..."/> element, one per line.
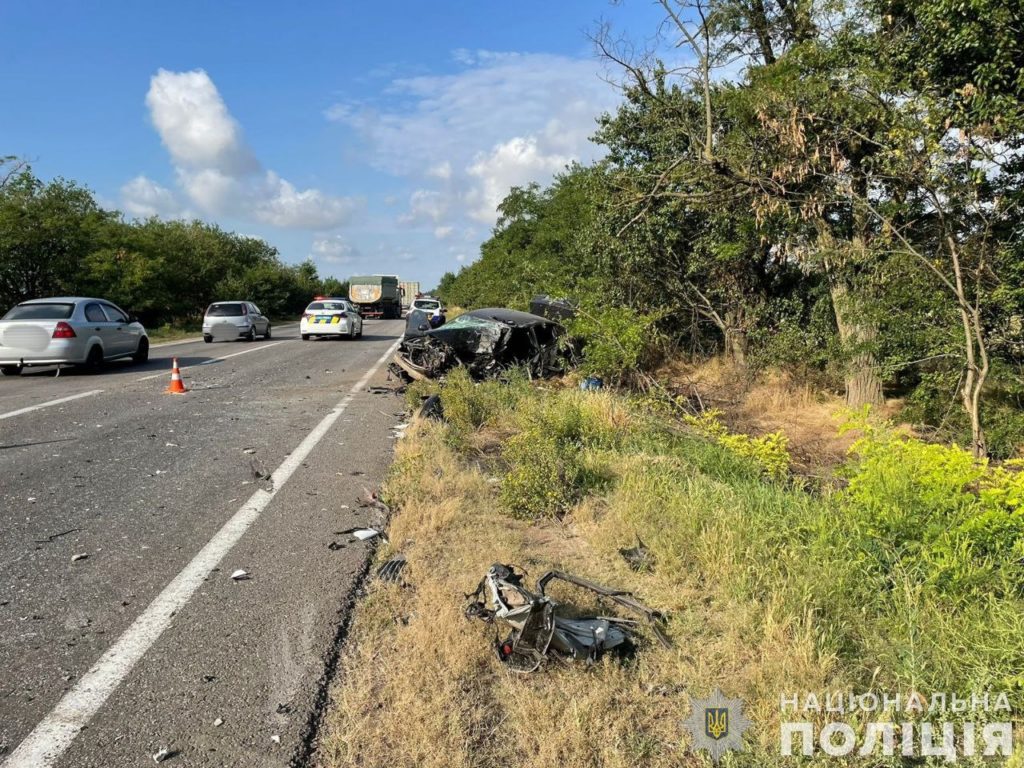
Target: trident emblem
<point x="716" y="722"/>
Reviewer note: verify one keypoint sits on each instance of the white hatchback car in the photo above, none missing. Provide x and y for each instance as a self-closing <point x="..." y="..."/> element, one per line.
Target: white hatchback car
<point x="69" y="330"/>
<point x="331" y="317"/>
<point x="233" y="320"/>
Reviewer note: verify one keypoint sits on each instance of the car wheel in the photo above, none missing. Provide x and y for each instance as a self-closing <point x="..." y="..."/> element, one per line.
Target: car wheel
<point x="305" y="336"/>
<point x="10" y="370"/>
<point x="360" y="334"/>
<point x="208" y="339"/>
<point x="251" y="336"/>
<point x="142" y="353"/>
<point x="94" y="360"/>
<point x="267" y="334"/>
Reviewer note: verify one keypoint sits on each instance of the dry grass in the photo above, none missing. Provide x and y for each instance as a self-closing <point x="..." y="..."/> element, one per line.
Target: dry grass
<point x="773" y="401"/>
<point x="421" y="687"/>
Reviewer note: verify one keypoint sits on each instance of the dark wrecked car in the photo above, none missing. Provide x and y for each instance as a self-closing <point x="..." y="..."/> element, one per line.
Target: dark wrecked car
<point x="486" y="342"/>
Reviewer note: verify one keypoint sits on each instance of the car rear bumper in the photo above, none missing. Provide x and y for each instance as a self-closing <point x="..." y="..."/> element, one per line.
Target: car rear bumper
<point x="341" y="328"/>
<point x="59" y="352"/>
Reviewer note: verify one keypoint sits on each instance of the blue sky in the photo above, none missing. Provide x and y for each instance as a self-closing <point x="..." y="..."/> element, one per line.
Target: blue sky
<point x="368" y="136"/>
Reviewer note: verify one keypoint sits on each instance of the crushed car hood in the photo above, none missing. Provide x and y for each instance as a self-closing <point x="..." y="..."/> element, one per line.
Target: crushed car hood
<point x="486" y="342"/>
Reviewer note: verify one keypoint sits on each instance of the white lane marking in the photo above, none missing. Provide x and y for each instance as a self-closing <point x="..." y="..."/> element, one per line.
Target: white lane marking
<point x="69" y="398"/>
<point x="54" y="734"/>
<point x="214" y="360"/>
<point x="195" y="339"/>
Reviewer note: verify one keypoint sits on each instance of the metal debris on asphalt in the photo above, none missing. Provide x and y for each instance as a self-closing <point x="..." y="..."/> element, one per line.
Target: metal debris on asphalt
<point x="240" y="575"/>
<point x="49" y="539"/>
<point x="162" y="755"/>
<point x="79" y="556"/>
<point x="218" y="723"/>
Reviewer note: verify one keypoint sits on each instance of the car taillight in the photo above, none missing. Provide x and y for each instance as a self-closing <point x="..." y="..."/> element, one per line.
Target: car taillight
<point x="63" y="331"/>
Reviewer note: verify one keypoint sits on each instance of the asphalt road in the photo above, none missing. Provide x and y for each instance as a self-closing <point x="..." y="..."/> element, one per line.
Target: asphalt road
<point x="147" y="643"/>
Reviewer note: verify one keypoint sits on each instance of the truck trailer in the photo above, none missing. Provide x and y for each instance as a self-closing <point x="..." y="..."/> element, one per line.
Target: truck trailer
<point x="410" y="290"/>
<point x="376" y="295"/>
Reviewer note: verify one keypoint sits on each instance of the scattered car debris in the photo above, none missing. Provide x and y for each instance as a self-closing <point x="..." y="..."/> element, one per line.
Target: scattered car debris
<point x="240" y="575"/>
<point x="79" y="556"/>
<point x="592" y="384"/>
<point x="334" y="546"/>
<point x="486" y="342"/>
<point x="276" y="739"/>
<point x="432" y="408"/>
<point x="365" y="533"/>
<point x="639" y="558"/>
<point x="377" y="390"/>
<point x="218" y="722"/>
<point x="540" y="625"/>
<point x="392" y="569"/>
<point x="552" y="309"/>
<point x="49" y="539"/>
<point x="249" y="450"/>
<point x="162" y="755"/>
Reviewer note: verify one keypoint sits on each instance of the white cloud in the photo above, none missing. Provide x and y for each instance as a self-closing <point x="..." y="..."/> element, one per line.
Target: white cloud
<point x="216" y="168"/>
<point x="513" y="163"/>
<point x="506" y="118"/>
<point x="442" y="233"/>
<point x="334" y="250"/>
<point x="426" y="206"/>
<point x="142" y="198"/>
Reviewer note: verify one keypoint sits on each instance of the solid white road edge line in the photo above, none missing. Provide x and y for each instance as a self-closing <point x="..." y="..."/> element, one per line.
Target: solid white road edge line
<point x="214" y="360"/>
<point x="54" y="734"/>
<point x="69" y="398"/>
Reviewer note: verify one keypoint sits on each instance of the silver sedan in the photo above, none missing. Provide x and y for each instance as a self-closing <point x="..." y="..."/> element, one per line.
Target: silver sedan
<point x="69" y="330"/>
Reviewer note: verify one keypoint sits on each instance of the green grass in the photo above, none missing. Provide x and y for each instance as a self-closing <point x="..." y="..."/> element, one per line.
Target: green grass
<point x="769" y="590"/>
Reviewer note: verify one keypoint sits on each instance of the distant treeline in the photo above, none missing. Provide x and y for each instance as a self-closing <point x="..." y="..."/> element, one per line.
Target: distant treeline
<point x="849" y="206"/>
<point x="55" y="239"/>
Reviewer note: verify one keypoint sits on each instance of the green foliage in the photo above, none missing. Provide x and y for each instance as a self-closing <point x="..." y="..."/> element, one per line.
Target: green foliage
<point x="937" y="513"/>
<point x="54" y="239"/>
<point x="618" y="342"/>
<point x="770" y="452"/>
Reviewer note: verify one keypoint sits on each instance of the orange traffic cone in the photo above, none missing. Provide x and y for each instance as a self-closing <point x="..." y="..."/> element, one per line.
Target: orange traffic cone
<point x="177" y="387"/>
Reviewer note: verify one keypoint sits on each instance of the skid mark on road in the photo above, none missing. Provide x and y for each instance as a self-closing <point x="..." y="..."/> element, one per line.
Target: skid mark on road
<point x="55" y="733"/>
<point x="214" y="360"/>
<point x="58" y="401"/>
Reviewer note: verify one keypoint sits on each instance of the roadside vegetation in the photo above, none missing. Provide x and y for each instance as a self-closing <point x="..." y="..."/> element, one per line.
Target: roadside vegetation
<point x="55" y="239"/>
<point x="833" y="190"/>
<point x="903" y="575"/>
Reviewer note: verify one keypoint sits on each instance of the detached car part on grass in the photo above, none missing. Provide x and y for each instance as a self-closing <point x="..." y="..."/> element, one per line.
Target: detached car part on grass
<point x="486" y="342"/>
<point x="539" y="625"/>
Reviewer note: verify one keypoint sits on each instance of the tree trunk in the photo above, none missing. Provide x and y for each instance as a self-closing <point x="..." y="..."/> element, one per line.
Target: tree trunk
<point x="857" y="333"/>
<point x="736" y="342"/>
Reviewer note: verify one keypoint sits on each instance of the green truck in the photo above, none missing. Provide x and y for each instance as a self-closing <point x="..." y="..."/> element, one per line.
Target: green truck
<point x="376" y="295"/>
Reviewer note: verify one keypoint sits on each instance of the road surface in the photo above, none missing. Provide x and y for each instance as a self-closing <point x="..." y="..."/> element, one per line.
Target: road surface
<point x="147" y="642"/>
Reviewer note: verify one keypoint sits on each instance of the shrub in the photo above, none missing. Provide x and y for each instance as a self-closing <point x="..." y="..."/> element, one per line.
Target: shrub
<point x="617" y="341"/>
<point x="770" y="452"/>
<point x="936" y="512"/>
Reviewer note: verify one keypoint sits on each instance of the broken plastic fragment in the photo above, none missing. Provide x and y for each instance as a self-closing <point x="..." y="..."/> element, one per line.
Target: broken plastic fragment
<point x="218" y="722"/>
<point x="276" y="739"/>
<point x="79" y="556"/>
<point x="365" y="533"/>
<point x="392" y="569"/>
<point x="240" y="575"/>
<point x="162" y="755"/>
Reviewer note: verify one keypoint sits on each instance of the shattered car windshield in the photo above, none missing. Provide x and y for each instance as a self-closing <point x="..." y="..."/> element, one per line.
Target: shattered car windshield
<point x="469" y="321"/>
